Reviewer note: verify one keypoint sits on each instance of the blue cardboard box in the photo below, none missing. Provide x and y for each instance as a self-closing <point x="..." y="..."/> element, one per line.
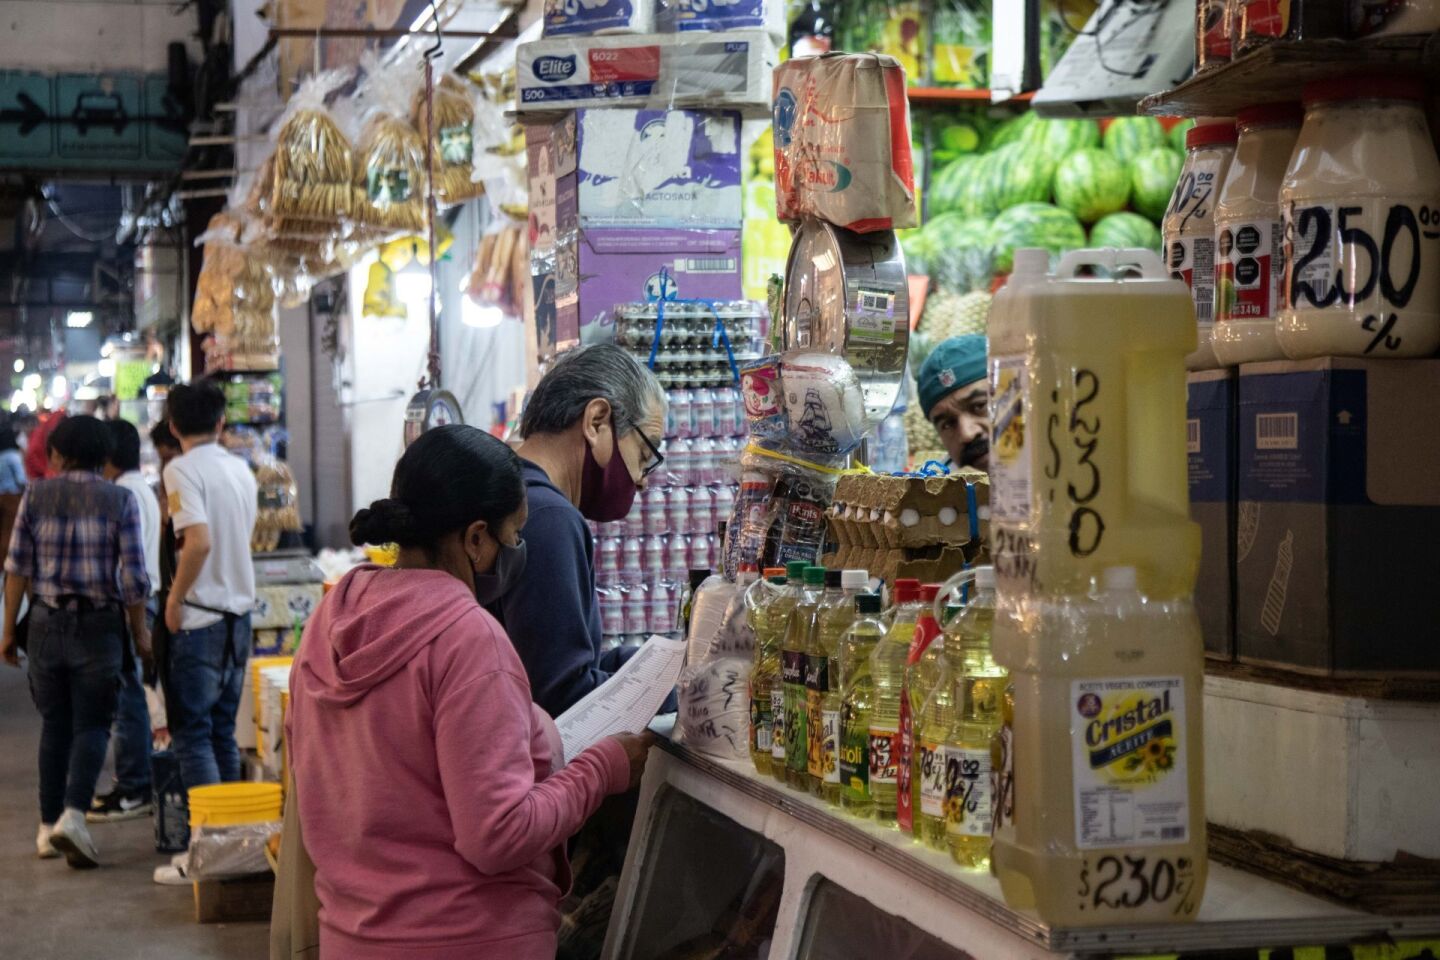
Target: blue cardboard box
<point x="1210" y="452"/>
<point x="1338" y="527"/>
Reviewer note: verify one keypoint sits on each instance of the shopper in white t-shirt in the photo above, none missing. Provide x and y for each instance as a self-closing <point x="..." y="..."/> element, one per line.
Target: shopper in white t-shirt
<point x="131" y="733"/>
<point x="211" y="496"/>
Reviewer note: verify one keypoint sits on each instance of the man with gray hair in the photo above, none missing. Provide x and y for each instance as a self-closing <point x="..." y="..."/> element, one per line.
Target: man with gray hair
<point x="592" y="433"/>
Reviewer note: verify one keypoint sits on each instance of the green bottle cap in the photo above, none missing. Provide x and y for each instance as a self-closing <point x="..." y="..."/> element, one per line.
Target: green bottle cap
<point x="795" y="570"/>
<point x="778" y="581"/>
<point x="867" y="603"/>
<point x="814" y="576"/>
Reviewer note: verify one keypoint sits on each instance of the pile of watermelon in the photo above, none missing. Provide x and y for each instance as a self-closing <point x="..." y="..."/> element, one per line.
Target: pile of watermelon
<point x="1030" y="182"/>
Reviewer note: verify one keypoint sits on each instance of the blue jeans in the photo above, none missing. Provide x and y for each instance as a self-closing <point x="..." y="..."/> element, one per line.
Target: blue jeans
<point x="207" y="671"/>
<point x="75" y="659"/>
<point x="133" y="738"/>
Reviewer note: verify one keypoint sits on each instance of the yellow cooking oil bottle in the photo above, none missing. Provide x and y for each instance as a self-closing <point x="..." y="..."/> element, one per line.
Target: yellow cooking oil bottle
<point x="765" y="670"/>
<point x="857" y="703"/>
<point x="796" y="774"/>
<point x="932" y="689"/>
<point x="1095" y="561"/>
<point x="972" y="723"/>
<point x="925" y="671"/>
<point x="822" y="679"/>
<point x="887" y="675"/>
<point x="778" y="617"/>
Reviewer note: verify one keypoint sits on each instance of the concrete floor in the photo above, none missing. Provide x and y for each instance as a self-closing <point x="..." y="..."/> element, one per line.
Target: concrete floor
<point x="50" y="912"/>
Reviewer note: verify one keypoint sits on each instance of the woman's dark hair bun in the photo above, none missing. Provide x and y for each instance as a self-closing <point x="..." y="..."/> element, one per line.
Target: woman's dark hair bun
<point x="384" y="521"/>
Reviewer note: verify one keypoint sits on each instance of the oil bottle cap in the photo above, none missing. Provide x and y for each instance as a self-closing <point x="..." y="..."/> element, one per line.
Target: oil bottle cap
<point x="855" y="579"/>
<point x="814" y="576"/>
<point x="867" y="603"/>
<point x="906" y="590"/>
<point x="985" y="578"/>
<point x="774" y="572"/>
<point x="795" y="570"/>
<point x="929" y="592"/>
<point x="832" y="579"/>
<point x="779" y="581"/>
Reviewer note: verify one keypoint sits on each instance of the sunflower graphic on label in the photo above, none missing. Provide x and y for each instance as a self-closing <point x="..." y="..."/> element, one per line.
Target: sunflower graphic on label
<point x="1009" y="462"/>
<point x="1128" y="737"/>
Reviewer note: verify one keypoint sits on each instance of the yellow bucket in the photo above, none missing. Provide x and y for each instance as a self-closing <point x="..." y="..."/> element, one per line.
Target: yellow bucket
<point x="230" y="804"/>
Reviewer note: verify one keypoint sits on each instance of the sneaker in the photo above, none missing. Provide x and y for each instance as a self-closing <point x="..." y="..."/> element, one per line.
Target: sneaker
<point x="172" y="875"/>
<point x="72" y="839"/>
<point x="43" y="848"/>
<point x="119" y="806"/>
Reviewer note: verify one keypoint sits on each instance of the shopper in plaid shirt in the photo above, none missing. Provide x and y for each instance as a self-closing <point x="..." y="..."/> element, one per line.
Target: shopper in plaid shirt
<point x="77" y="553"/>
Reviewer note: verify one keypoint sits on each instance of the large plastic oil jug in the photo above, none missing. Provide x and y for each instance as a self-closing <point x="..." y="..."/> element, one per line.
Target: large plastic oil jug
<point x="1087" y="461"/>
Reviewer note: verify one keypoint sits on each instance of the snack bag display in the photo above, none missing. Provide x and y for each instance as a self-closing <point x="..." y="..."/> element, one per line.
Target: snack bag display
<point x="842" y="142"/>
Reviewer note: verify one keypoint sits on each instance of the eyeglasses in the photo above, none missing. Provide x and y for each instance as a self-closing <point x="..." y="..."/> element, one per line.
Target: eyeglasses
<point x="658" y="457"/>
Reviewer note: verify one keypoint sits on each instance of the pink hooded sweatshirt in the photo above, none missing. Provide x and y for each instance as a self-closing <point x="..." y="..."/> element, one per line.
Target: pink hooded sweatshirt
<point x="430" y="803"/>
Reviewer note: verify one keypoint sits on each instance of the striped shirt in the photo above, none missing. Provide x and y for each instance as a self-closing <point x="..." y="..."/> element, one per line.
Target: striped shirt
<point x="78" y="535"/>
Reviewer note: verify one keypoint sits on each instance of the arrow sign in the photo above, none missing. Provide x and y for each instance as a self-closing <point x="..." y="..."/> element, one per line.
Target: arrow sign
<point x="27" y="113"/>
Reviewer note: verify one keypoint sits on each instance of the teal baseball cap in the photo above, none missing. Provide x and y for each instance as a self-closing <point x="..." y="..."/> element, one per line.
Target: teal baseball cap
<point x="953" y="364"/>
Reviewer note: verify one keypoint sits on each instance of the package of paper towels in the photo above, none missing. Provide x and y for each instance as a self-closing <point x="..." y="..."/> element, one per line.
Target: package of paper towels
<point x="680" y="16"/>
<point x="573" y="18"/>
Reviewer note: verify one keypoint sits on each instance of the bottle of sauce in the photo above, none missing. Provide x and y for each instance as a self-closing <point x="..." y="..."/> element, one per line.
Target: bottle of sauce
<point x="1249" y="263"/>
<point x="1189" y="225"/>
<point x="1258" y="22"/>
<point x="1361" y="204"/>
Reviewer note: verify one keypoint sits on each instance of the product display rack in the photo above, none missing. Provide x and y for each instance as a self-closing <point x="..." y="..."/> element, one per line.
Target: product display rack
<point x="1279" y="71"/>
<point x="923" y="888"/>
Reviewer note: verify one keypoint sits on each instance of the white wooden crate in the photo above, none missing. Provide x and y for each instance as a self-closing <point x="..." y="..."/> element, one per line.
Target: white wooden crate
<point x="1345" y="777"/>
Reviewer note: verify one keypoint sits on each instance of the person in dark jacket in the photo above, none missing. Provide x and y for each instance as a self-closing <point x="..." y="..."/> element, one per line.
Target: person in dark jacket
<point x="592" y="434"/>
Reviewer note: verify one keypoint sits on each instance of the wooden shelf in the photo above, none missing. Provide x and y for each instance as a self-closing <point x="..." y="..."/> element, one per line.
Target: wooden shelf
<point x="946" y="96"/>
<point x="1281" y="70"/>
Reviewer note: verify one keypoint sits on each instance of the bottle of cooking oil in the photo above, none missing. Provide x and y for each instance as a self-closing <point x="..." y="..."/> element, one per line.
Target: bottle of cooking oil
<point x="978" y="683"/>
<point x="924" y="671"/>
<point x="765" y="672"/>
<point x="857" y="700"/>
<point x="1109" y="823"/>
<point x="792" y="671"/>
<point x="887" y="673"/>
<point x="778" y="615"/>
<point x="935" y="724"/>
<point x="822" y="679"/>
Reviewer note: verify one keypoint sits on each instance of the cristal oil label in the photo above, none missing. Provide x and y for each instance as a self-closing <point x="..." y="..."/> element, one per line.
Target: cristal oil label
<point x="1131" y="786"/>
<point x="1009" y="460"/>
<point x="761" y="724"/>
<point x="884" y="755"/>
<point x="777" y="717"/>
<point x="968" y="789"/>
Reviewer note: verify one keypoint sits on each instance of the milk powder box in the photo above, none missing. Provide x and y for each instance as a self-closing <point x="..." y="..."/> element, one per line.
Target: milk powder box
<point x="1210" y="452"/>
<point x="659" y="70"/>
<point x="723" y="15"/>
<point x="842" y="142"/>
<point x="586" y="17"/>
<point x="1339" y="516"/>
<point x="659" y="168"/>
<point x="600" y="268"/>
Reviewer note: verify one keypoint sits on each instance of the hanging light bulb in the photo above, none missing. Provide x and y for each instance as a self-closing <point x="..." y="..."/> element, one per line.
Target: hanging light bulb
<point x="483" y="316"/>
<point x="412" y="283"/>
<point x="19" y="364"/>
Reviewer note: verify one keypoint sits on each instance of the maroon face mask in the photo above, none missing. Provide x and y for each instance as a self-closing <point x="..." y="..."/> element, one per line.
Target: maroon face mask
<point x="606" y="493"/>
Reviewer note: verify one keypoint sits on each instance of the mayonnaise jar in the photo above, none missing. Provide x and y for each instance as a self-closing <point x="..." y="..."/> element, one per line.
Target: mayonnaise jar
<point x="1189" y="225"/>
<point x="1249" y="264"/>
<point x="1361" y="203"/>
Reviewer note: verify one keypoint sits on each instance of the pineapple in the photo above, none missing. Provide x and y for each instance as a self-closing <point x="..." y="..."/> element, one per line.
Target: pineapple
<point x="960" y="300"/>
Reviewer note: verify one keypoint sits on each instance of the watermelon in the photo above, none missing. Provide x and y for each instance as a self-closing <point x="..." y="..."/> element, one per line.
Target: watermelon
<point x="980" y="194"/>
<point x="1011" y="131"/>
<point x="959" y="137"/>
<point x="1025" y="176"/>
<point x="1033" y="225"/>
<point x="946" y="185"/>
<point x="1060" y="138"/>
<point x="1128" y="137"/>
<point x="1177" y="134"/>
<point x="1152" y="180"/>
<point x="1091" y="183"/>
<point x="1125" y="229"/>
<point x="917" y="246"/>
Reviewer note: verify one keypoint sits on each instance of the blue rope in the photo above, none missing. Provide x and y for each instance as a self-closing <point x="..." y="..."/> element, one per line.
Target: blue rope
<point x="668" y="295"/>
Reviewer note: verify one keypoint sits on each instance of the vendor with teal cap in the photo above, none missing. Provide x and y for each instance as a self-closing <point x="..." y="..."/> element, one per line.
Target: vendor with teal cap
<point x="955" y="397"/>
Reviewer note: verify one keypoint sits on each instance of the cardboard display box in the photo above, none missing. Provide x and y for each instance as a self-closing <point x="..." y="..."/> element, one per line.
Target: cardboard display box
<point x="234" y="901"/>
<point x="1210" y="445"/>
<point x="1339" y="516"/>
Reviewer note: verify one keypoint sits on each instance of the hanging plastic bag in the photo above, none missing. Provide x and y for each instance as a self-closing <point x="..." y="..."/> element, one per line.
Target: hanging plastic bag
<point x="314" y="159"/>
<point x="779" y="513"/>
<point x="389" y="173"/>
<point x="492" y="280"/>
<point x="453" y="144"/>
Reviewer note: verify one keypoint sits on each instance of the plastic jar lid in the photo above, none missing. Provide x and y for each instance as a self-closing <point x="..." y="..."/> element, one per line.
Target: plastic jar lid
<point x="1364" y="87"/>
<point x="1277" y="113"/>
<point x="1209" y="134"/>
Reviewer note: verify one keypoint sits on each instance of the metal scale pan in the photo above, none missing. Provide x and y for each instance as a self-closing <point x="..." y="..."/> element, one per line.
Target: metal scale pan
<point x="846" y="293"/>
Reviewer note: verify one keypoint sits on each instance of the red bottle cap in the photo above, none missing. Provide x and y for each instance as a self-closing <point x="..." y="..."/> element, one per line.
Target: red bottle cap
<point x="1284" y="112"/>
<point x="1367" y="86"/>
<point x="1210" y="133"/>
<point x="906" y="590"/>
<point x="929" y="592"/>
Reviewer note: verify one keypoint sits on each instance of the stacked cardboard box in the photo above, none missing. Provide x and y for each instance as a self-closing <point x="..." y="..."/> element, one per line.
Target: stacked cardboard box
<point x="1210" y="445"/>
<point x="908" y="526"/>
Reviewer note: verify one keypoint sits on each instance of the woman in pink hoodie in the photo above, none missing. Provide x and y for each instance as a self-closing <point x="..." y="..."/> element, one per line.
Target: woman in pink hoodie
<point x="433" y="795"/>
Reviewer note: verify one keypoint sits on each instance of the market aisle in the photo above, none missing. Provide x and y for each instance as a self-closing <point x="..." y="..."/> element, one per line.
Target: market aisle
<point x="54" y="913"/>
